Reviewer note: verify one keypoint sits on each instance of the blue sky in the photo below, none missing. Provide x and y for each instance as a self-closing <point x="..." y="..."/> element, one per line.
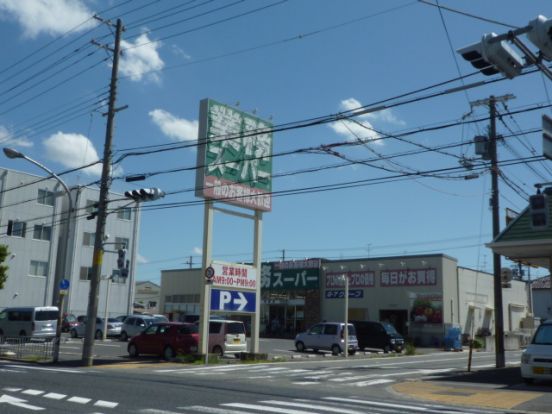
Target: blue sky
<point x="288" y="61"/>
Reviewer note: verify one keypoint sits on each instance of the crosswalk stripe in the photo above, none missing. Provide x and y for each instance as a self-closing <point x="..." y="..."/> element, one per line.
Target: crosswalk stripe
<point x="54" y="396"/>
<point x="372" y="382"/>
<point x="214" y="410"/>
<point x="267" y="409"/>
<point x="32" y="392"/>
<point x="313" y="406"/>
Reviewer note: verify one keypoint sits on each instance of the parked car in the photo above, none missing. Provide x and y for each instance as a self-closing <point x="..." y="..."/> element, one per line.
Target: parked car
<point x="68" y="322"/>
<point x="29" y="321"/>
<point x="227" y="337"/>
<point x="328" y="336"/>
<point x="536" y="359"/>
<point x="166" y="339"/>
<point x="121" y="318"/>
<point x="378" y="335"/>
<point x="135" y="324"/>
<point x="113" y="328"/>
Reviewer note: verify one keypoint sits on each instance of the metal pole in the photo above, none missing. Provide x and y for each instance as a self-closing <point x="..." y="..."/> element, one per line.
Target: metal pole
<point x="499" y="317"/>
<point x="257" y="252"/>
<point x="206" y="291"/>
<point x="92" y="311"/>
<point x="106" y="311"/>
<point x="346" y="328"/>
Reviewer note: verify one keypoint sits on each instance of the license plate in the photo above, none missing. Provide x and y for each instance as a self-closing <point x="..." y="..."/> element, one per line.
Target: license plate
<point x="539" y="370"/>
<point x="237" y="340"/>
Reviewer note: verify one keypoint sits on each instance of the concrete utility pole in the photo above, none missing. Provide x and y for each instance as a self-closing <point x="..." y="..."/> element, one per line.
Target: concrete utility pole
<point x="92" y="311"/>
<point x="499" y="313"/>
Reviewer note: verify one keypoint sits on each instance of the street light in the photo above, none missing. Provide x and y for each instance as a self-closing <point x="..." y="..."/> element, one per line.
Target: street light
<point x="59" y="275"/>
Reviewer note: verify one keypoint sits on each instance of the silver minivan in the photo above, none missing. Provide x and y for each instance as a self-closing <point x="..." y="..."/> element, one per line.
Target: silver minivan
<point x="227" y="337"/>
<point x="327" y="336"/>
<point x="29" y="321"/>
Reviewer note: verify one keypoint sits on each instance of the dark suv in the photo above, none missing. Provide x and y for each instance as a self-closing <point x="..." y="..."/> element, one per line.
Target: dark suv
<point x="378" y="335"/>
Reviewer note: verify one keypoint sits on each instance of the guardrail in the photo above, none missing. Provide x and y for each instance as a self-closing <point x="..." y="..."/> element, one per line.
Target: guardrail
<point x="27" y="349"/>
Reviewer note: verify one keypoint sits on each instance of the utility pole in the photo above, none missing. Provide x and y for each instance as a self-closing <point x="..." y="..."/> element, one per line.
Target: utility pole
<point x="92" y="311"/>
<point x="499" y="312"/>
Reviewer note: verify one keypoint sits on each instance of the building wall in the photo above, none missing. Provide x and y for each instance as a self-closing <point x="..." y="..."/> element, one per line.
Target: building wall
<point x="147" y="293"/>
<point x="18" y="202"/>
<point x="180" y="289"/>
<point x="22" y="288"/>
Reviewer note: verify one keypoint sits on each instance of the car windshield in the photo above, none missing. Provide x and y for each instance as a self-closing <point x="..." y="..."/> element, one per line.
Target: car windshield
<point x="70" y="318"/>
<point x="235" y="328"/>
<point x="351" y="329"/>
<point x="46" y="315"/>
<point x="543" y="336"/>
<point x="111" y="320"/>
<point x="390" y="328"/>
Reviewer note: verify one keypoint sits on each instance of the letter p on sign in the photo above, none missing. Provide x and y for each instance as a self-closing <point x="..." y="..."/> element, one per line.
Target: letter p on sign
<point x="224" y="298"/>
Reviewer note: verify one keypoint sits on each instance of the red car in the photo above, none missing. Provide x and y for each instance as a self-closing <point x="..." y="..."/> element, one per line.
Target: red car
<point x="165" y="339"/>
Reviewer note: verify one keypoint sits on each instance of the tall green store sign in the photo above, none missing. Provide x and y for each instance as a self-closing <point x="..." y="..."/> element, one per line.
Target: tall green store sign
<point x="234" y="157"/>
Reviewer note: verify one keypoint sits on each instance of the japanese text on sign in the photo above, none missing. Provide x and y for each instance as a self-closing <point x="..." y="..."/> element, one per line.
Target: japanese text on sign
<point x="234" y="275"/>
<point x="356" y="279"/>
<point x="288" y="279"/>
<point x="340" y="294"/>
<point x="408" y="277"/>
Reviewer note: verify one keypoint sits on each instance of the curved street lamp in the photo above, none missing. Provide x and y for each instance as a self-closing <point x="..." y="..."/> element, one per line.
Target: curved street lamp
<point x="13" y="154"/>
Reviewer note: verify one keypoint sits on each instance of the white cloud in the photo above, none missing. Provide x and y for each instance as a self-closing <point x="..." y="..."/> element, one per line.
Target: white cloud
<point x="141" y="59"/>
<point x="72" y="151"/>
<point x="141" y="259"/>
<point x="6" y="138"/>
<point x="363" y="127"/>
<point x="197" y="250"/>
<point x="177" y="129"/>
<point x="52" y="17"/>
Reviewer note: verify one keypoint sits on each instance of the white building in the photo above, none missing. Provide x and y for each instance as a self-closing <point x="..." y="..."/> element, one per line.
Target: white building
<point x="33" y="225"/>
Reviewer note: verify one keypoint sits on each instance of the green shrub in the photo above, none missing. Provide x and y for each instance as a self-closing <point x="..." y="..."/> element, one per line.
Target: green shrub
<point x="409" y="349"/>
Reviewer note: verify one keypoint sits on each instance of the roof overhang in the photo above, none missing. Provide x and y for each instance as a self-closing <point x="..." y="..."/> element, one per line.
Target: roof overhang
<point x="531" y="252"/>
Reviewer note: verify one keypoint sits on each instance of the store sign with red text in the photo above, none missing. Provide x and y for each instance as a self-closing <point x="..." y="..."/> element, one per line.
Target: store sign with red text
<point x="234" y="275"/>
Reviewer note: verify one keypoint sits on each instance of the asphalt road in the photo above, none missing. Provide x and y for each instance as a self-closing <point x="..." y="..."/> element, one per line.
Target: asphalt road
<point x="435" y="382"/>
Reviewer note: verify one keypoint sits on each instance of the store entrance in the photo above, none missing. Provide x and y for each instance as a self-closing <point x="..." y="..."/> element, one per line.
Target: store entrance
<point x="285" y="321"/>
<point x="397" y="318"/>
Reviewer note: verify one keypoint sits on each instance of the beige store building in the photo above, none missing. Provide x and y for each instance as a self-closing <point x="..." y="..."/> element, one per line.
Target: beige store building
<point x="421" y="295"/>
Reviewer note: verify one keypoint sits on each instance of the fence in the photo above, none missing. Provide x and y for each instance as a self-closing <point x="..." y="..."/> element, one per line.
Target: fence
<point x="27" y="349"/>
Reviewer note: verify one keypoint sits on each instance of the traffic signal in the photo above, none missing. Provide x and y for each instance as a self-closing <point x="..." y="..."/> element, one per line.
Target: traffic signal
<point x="121" y="259"/>
<point x="145" y="194"/>
<point x="538" y="211"/>
<point x="541" y="35"/>
<point x="493" y="57"/>
<point x="124" y="271"/>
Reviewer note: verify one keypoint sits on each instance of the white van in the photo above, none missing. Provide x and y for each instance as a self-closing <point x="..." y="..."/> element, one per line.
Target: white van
<point x="29" y="321"/>
<point x="227" y="337"/>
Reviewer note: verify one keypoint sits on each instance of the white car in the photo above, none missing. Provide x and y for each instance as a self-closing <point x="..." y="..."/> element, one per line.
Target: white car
<point x="536" y="360"/>
<point x="113" y="328"/>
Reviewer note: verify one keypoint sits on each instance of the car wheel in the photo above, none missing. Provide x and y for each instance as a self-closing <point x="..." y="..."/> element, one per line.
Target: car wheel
<point x="74" y="333"/>
<point x="336" y="349"/>
<point x="300" y="346"/>
<point x="124" y="336"/>
<point x="2" y="340"/>
<point x="352" y="352"/>
<point x="217" y="350"/>
<point x="315" y="350"/>
<point x="133" y="351"/>
<point x="528" y="381"/>
<point x="387" y="349"/>
<point x="98" y="335"/>
<point x="168" y="353"/>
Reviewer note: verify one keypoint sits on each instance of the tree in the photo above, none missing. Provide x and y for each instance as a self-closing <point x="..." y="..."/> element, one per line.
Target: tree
<point x="3" y="268"/>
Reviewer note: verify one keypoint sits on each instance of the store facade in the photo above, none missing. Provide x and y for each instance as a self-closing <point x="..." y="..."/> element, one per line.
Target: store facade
<point x="422" y="296"/>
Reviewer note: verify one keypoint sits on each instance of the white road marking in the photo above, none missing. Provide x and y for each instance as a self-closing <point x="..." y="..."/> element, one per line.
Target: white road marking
<point x="267" y="409"/>
<point x="32" y="392"/>
<point x="313" y="406"/>
<point x="18" y="402"/>
<point x="55" y="396"/>
<point x="106" y="404"/>
<point x="384" y="405"/>
<point x="79" y="400"/>
<point x="214" y="410"/>
<point x="372" y="382"/>
<point x="73" y="371"/>
<point x="12" y="389"/>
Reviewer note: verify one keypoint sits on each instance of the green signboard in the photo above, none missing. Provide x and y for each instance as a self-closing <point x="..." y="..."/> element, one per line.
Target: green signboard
<point x="291" y="275"/>
<point x="235" y="160"/>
